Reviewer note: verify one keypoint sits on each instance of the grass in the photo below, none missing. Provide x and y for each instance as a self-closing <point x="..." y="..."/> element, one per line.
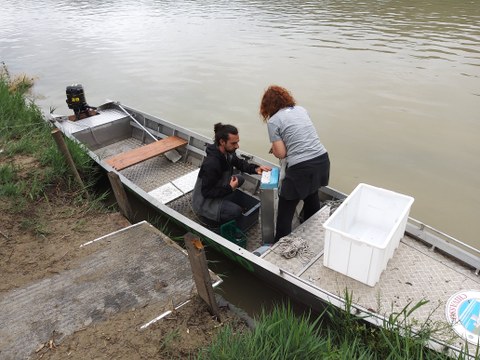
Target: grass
<point x="334" y="334"/>
<point x="278" y="335"/>
<point x="25" y="133"/>
<point x="31" y="166"/>
<point x="167" y="346"/>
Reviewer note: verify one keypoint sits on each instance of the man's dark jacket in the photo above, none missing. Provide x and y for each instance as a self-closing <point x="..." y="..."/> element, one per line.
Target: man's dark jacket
<point x="213" y="182"/>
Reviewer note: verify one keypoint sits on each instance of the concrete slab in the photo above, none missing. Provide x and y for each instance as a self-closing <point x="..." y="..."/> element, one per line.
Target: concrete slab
<point x="127" y="269"/>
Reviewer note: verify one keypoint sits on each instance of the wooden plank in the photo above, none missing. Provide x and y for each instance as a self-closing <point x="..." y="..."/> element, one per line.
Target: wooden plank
<point x="120" y="195"/>
<point x="135" y="267"/>
<point x="135" y="156"/>
<point x="62" y="146"/>
<point x="201" y="275"/>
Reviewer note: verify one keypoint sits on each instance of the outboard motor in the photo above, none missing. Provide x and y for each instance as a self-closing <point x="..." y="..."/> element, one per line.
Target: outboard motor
<point x="76" y="101"/>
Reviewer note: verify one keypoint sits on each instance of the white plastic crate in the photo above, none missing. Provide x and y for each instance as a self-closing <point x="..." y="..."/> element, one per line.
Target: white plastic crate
<point x="363" y="233"/>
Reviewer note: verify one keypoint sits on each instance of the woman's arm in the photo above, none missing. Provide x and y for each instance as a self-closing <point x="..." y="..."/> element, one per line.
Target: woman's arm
<point x="279" y="149"/>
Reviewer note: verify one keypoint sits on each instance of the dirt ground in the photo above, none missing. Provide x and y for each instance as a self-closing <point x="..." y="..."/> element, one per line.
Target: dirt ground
<point x="43" y="238"/>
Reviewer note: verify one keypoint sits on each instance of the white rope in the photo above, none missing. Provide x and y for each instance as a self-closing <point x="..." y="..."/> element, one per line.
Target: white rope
<point x="290" y="246"/>
<point x="333" y="204"/>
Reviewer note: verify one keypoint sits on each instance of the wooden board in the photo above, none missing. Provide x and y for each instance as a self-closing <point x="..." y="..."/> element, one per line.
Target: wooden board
<point x="135" y="156"/>
<point x="128" y="269"/>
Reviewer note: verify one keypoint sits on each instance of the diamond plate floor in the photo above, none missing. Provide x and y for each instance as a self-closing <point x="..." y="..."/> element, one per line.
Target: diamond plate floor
<point x="414" y="273"/>
<point x="154" y="173"/>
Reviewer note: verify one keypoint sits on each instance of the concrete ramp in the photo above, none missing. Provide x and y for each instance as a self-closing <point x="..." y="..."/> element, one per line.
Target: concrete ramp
<point x="127" y="269"/>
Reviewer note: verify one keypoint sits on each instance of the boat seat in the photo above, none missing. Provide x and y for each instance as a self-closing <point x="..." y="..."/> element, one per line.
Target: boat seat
<point x="135" y="156"/>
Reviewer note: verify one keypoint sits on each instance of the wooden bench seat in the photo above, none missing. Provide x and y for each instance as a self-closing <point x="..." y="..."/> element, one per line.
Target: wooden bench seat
<point x="135" y="156"/>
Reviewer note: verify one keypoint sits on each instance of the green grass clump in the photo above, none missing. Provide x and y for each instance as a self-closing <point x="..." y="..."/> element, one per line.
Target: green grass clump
<point x="24" y="132"/>
<point x="278" y="335"/>
<point x="334" y="334"/>
<point x="399" y="337"/>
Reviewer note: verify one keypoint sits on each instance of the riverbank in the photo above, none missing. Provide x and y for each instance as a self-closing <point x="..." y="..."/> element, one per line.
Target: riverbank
<point x="30" y="255"/>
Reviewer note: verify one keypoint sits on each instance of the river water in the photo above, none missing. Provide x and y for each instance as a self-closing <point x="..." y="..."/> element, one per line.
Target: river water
<point x="393" y="87"/>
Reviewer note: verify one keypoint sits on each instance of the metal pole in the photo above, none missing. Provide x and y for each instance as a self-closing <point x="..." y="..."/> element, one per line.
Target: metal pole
<point x="267" y="210"/>
<point x="131" y="117"/>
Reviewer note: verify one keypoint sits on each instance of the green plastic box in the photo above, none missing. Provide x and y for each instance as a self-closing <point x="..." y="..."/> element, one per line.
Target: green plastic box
<point x="231" y="232"/>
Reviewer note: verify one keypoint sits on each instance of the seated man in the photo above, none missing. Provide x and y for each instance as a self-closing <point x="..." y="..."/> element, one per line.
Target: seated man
<point x="216" y="182"/>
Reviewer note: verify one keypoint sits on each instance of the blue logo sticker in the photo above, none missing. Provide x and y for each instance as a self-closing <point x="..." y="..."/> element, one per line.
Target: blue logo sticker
<point x="463" y="312"/>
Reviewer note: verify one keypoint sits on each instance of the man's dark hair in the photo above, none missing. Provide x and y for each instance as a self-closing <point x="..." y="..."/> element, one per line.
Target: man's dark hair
<point x="222" y="131"/>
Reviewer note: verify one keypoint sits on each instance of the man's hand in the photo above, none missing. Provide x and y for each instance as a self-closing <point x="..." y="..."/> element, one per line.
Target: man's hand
<point x="233" y="183"/>
<point x="262" y="168"/>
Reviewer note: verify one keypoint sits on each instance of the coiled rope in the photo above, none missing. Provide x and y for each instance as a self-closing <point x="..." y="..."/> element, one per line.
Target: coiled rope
<point x="290" y="246"/>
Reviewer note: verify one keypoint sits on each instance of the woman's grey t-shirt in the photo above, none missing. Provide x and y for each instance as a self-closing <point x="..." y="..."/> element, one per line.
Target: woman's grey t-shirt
<point x="293" y="126"/>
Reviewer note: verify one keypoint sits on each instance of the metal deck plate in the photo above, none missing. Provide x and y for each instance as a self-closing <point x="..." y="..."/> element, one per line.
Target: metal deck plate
<point x="175" y="189"/>
<point x="186" y="183"/>
<point x="105" y="117"/>
<point x="152" y="173"/>
<point x="312" y="231"/>
<point x="155" y="172"/>
<point x="413" y="274"/>
<point x="118" y="148"/>
<point x="166" y="193"/>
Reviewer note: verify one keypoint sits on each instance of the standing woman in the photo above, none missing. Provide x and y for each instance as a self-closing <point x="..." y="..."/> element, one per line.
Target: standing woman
<point x="295" y="140"/>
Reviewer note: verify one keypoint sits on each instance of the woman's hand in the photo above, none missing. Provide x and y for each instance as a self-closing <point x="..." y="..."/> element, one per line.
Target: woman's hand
<point x="279" y="149"/>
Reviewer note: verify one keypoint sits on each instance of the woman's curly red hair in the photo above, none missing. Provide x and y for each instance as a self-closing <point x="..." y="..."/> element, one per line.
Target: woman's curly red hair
<point x="275" y="98"/>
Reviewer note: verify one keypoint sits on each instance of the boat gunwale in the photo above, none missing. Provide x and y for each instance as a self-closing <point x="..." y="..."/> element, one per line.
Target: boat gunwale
<point x="415" y="228"/>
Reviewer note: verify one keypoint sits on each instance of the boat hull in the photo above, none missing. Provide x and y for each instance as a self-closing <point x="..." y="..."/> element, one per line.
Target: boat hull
<point x="166" y="185"/>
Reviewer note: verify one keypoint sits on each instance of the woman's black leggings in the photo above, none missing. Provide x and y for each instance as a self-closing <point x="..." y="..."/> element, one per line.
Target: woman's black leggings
<point x="286" y="210"/>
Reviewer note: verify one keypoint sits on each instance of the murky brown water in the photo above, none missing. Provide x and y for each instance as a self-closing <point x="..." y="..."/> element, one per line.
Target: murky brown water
<point x="393" y="87"/>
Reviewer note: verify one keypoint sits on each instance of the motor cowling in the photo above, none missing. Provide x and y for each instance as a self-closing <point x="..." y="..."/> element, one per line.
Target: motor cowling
<point x="77" y="102"/>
